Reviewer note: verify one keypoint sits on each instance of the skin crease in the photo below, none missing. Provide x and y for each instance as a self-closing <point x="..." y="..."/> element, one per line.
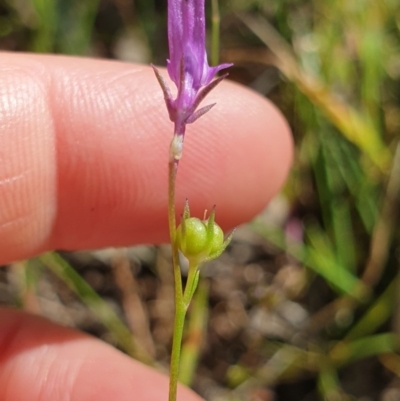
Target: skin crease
<point x="84" y="165"/>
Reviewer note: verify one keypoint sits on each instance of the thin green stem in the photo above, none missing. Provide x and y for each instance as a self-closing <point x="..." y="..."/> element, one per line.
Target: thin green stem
<point x="179" y="308"/>
<point x="182" y="300"/>
<point x="180" y="313"/>
<point x="173" y="169"/>
<point x="196" y="330"/>
<point x="215" y="24"/>
<point x="191" y="283"/>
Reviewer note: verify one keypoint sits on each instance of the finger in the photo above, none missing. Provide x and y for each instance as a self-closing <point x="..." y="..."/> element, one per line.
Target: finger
<point x="84" y="152"/>
<point x="44" y="362"/>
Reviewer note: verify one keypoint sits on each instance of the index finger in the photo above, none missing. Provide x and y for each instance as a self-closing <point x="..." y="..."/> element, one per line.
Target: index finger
<point x="84" y="153"/>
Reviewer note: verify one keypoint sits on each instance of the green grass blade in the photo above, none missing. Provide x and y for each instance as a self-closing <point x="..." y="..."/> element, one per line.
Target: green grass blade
<point x="347" y="352"/>
<point x="61" y="268"/>
<point x="44" y="38"/>
<point x="318" y="257"/>
<point x="191" y="348"/>
<point x="215" y="32"/>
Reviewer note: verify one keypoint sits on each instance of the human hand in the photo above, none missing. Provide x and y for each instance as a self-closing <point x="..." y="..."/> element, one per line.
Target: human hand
<point x="84" y="153"/>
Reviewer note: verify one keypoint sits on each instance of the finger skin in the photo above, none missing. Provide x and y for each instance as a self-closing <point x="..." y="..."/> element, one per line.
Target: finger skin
<point x="40" y="361"/>
<point x="83" y="164"/>
<point x="84" y="153"/>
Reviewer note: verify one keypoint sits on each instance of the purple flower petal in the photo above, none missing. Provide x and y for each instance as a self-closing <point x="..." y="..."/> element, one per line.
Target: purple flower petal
<point x="187" y="64"/>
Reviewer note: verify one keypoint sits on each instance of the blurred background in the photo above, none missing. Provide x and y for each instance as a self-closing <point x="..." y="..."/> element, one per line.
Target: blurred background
<point x="304" y="305"/>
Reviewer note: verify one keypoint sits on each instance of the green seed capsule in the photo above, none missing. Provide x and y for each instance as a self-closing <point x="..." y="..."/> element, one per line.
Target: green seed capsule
<point x="192" y="239"/>
<point x="200" y="240"/>
<point x="217" y="240"/>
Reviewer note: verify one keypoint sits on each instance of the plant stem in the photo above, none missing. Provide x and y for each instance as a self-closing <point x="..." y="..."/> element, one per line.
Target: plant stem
<point x="173" y="169"/>
<point x="180" y="313"/>
<point x="195" y="333"/>
<point x="181" y="307"/>
<point x="182" y="300"/>
<point x="191" y="282"/>
<point x="215" y="23"/>
<point x="180" y="310"/>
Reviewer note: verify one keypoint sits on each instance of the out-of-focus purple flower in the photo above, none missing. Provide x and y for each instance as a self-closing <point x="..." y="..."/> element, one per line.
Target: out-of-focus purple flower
<point x="187" y="65"/>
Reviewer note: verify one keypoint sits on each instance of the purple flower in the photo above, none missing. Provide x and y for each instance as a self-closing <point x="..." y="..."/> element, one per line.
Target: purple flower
<point x="187" y="65"/>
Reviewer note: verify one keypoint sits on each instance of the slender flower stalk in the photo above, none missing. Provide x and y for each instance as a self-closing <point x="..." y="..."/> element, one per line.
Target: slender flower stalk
<point x="189" y="70"/>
